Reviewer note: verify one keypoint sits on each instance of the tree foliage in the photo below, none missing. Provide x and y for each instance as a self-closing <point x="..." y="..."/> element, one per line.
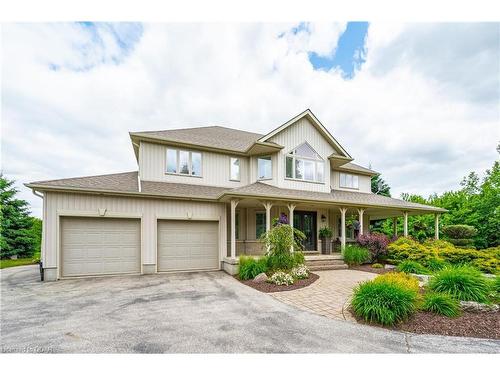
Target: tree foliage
<point x="380" y="187"/>
<point x="19" y="232"/>
<point x="476" y="203"/>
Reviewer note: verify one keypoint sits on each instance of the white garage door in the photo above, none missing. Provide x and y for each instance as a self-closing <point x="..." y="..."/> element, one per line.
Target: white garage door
<point x="188" y="245"/>
<point x="100" y="246"/>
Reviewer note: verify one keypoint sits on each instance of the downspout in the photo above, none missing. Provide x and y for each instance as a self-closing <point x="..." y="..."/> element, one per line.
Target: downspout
<point x="41" y="252"/>
<point x="37" y="193"/>
<point x="139" y="182"/>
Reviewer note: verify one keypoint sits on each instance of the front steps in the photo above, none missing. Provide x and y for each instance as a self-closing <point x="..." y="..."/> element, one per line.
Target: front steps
<point x="322" y="262"/>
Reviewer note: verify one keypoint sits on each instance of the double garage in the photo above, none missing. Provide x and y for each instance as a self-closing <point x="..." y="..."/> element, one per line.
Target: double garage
<point x="106" y="246"/>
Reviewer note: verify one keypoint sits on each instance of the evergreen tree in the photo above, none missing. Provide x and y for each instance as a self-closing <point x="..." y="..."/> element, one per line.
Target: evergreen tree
<point x="380" y="187"/>
<point x="16" y="225"/>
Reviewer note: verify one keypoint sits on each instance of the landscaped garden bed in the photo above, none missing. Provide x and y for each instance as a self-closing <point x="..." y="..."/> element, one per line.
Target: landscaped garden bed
<point x="282" y="268"/>
<point x="468" y="324"/>
<point x="370" y="268"/>
<point x="267" y="287"/>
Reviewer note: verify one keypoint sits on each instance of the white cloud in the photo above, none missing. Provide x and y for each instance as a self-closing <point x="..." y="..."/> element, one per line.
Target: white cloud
<point x="421" y="109"/>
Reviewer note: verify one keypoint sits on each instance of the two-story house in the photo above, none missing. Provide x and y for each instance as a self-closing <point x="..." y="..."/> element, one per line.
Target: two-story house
<point x="203" y="196"/>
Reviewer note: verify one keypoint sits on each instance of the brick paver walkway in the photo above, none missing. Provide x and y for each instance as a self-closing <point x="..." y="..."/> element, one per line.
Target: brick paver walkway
<point x="328" y="295"/>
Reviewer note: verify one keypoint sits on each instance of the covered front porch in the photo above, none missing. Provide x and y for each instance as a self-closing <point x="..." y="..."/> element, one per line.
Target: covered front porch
<point x="249" y="217"/>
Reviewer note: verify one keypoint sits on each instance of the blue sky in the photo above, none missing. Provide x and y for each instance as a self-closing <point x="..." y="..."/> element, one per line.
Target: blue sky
<point x="350" y="51"/>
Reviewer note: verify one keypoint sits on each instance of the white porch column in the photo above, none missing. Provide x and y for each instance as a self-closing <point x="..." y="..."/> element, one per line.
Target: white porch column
<point x="267" y="206"/>
<point x="405" y="227"/>
<point x="436" y="226"/>
<point x="395" y="226"/>
<point x="343" y="210"/>
<point x="234" y="203"/>
<point x="291" y="208"/>
<point x="361" y="211"/>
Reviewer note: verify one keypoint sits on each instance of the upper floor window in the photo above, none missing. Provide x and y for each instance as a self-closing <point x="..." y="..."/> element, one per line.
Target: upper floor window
<point x="184" y="162"/>
<point x="264" y="167"/>
<point x="235" y="169"/>
<point x="304" y="163"/>
<point x="349" y="181"/>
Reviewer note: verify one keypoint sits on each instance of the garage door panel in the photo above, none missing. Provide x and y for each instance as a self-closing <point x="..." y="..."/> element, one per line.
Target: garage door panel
<point x="187" y="245"/>
<point x="94" y="246"/>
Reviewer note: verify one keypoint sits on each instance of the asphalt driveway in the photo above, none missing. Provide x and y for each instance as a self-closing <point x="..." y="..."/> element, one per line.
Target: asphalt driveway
<point x="183" y="313"/>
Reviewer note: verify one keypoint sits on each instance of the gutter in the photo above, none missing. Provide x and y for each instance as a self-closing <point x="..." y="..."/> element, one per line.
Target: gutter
<point x="336" y="203"/>
<point x="134" y="194"/>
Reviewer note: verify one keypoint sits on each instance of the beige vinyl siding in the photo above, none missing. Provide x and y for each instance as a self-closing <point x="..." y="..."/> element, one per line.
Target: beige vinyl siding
<point x="293" y="136"/>
<point x="215" y="167"/>
<point x="364" y="182"/>
<point x="148" y="210"/>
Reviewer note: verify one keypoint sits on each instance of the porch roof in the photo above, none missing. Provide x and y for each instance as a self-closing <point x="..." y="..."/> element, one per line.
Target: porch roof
<point x="335" y="197"/>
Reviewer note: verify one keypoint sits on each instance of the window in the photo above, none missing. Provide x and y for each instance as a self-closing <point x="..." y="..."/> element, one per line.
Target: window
<point x="237" y="224"/>
<point x="235" y="169"/>
<point x="172" y="161"/>
<point x="305" y="164"/>
<point x="260" y="224"/>
<point x="264" y="168"/>
<point x="196" y="164"/>
<point x="184" y="162"/>
<point x="349" y="181"/>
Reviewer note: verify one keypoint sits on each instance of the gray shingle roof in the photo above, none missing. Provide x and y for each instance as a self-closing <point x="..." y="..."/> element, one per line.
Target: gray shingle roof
<point x="335" y="196"/>
<point x="356" y="168"/>
<point x="128" y="183"/>
<point x="209" y="136"/>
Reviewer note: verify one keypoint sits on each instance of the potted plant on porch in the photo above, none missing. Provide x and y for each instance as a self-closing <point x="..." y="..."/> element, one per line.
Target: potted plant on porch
<point x="326" y="234"/>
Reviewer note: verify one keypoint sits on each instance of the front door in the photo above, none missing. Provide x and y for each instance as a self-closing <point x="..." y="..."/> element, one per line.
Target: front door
<point x="306" y="222"/>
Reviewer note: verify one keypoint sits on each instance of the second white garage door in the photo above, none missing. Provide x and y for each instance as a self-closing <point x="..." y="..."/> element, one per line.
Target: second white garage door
<point x="188" y="245"/>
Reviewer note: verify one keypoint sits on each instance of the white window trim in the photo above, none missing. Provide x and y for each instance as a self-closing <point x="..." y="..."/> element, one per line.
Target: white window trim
<point x="348" y="187"/>
<point x="190" y="162"/>
<point x="316" y="161"/>
<point x="239" y="170"/>
<point x="272" y="171"/>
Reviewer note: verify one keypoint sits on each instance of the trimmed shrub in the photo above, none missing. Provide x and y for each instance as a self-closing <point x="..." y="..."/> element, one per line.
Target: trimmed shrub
<point x="377" y="265"/>
<point x="430" y="253"/>
<point x="401" y="279"/>
<point x="356" y="255"/>
<point x="281" y="278"/>
<point x="441" y="303"/>
<point x="383" y="302"/>
<point x="463" y="282"/>
<point x="460" y="235"/>
<point x="250" y="267"/>
<point x="300" y="272"/>
<point x="410" y="266"/>
<point x="375" y="242"/>
<point x="405" y="248"/>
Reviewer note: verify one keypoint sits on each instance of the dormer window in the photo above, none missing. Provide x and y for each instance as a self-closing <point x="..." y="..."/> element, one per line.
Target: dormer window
<point x="303" y="163"/>
<point x="349" y="181"/>
<point x="183" y="162"/>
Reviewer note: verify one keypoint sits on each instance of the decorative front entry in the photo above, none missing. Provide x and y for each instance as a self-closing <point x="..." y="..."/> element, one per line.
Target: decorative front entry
<point x="305" y="221"/>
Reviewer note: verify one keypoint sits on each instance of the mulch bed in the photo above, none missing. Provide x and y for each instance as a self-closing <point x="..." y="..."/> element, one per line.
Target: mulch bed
<point x="369" y="268"/>
<point x="484" y="325"/>
<point x="271" y="288"/>
<point x="469" y="324"/>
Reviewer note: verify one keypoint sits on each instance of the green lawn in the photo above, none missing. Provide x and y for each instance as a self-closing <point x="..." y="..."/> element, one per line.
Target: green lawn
<point x="4" y="263"/>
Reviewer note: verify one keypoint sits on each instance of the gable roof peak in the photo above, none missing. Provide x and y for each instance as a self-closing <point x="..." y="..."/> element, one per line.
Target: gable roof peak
<point x="317" y="124"/>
